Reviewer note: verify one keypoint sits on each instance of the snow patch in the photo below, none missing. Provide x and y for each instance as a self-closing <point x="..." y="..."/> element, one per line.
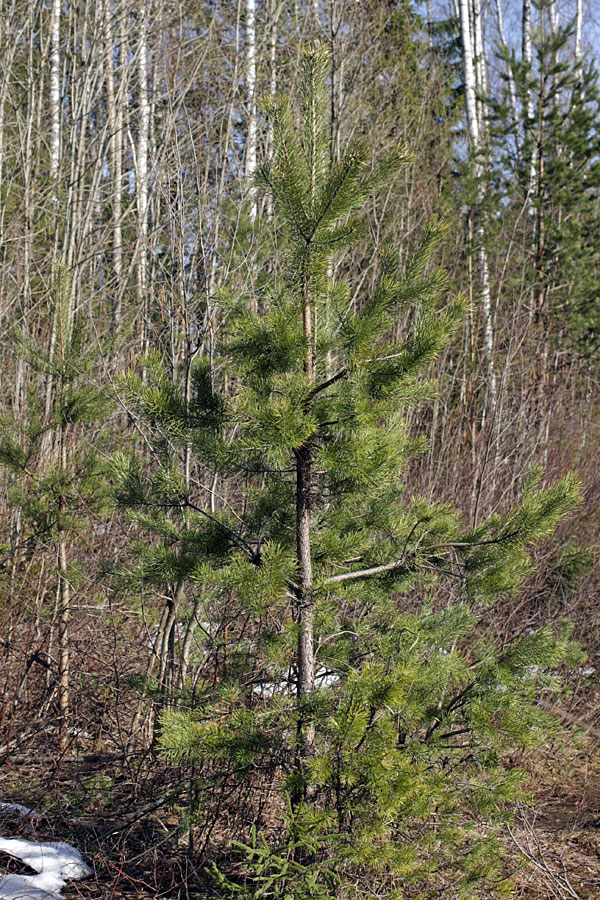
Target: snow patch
<point x="55" y="862"/>
<point x="72" y="731"/>
<point x="7" y="809"/>
<point x="266" y="689"/>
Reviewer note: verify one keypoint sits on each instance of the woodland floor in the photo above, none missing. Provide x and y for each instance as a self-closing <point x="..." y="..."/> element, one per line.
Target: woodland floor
<point x="122" y="815"/>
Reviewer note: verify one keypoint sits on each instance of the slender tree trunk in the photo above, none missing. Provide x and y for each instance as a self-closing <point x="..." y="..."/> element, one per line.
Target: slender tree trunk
<point x="54" y="175"/>
<point x="64" y="612"/>
<point x="55" y="96"/>
<point x="578" y="28"/>
<point x="479" y="66"/>
<point x="511" y="79"/>
<point x="529" y="142"/>
<point x="274" y="10"/>
<point x="9" y="43"/>
<point x="251" y="134"/>
<point x="306" y="663"/>
<point x="304" y="592"/>
<point x="475" y="126"/>
<point x="469" y="73"/>
<point x="304" y="595"/>
<point x="115" y="161"/>
<point x="142" y="186"/>
<point x="28" y="163"/>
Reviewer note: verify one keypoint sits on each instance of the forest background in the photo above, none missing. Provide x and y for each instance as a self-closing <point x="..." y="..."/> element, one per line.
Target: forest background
<point x="130" y="224"/>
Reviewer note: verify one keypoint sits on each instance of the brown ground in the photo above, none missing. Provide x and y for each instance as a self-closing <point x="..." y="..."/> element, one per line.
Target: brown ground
<point x="123" y="815"/>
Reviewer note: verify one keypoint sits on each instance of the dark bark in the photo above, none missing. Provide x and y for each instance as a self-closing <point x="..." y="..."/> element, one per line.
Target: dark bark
<point x="306" y="665"/>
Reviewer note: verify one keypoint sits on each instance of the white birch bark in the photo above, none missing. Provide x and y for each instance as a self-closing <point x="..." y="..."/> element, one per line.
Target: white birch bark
<point x="54" y="99"/>
<point x="479" y="66"/>
<point x="115" y="159"/>
<point x="250" y="168"/>
<point x="274" y="11"/>
<point x="81" y="88"/>
<point x="578" y="28"/>
<point x="469" y="74"/>
<point x="141" y="173"/>
<point x="55" y="95"/>
<point x="475" y="125"/>
<point x="527" y="59"/>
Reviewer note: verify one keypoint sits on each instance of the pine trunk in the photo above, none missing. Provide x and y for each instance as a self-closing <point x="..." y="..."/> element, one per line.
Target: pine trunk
<point x="306" y="662"/>
<point x="64" y="612"/>
<point x="304" y="594"/>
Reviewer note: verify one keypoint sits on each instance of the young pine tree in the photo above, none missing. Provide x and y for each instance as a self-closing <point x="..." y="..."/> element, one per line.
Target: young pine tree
<point x="343" y="676"/>
<point x="54" y="477"/>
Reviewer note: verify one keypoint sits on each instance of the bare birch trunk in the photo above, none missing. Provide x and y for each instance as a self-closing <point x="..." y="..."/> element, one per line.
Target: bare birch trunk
<point x="250" y="169"/>
<point x="475" y="126"/>
<point x="55" y="96"/>
<point x="578" y="28"/>
<point x="529" y="141"/>
<point x="142" y="176"/>
<point x="274" y="11"/>
<point x="54" y="175"/>
<point x="479" y="67"/>
<point x="115" y="160"/>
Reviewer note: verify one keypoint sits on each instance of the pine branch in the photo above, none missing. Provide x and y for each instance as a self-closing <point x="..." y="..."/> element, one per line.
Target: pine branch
<point x="365" y="573"/>
<point x="349" y="166"/>
<point x="253" y="555"/>
<point x="319" y="388"/>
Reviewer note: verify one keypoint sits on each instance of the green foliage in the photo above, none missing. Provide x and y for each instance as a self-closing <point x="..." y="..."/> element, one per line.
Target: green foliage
<point x="562" y="140"/>
<point x="408" y="758"/>
<point x="497" y="561"/>
<point x="54" y="474"/>
<point x="412" y="709"/>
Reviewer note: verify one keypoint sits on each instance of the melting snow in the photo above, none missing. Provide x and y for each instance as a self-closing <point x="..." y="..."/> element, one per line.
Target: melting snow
<point x="586" y="671"/>
<point x="55" y="862"/>
<point x="6" y="809"/>
<point x="323" y="679"/>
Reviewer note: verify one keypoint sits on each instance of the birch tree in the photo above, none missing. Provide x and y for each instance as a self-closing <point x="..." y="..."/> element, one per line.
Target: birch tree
<point x="114" y="49"/>
<point x="473" y="68"/>
<point x="578" y="29"/>
<point x="141" y="174"/>
<point x="251" y="127"/>
<point x="529" y="124"/>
